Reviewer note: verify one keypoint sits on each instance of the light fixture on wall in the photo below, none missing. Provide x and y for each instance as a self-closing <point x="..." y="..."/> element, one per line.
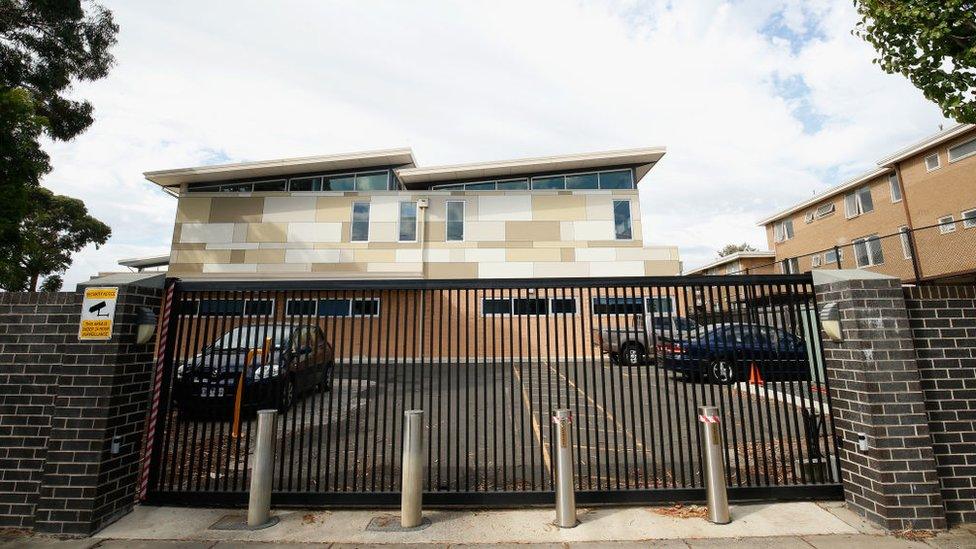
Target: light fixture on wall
<point x="830" y="320"/>
<point x="146" y="323"/>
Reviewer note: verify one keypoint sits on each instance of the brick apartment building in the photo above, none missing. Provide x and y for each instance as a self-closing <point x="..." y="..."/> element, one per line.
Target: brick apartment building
<point x="914" y="216"/>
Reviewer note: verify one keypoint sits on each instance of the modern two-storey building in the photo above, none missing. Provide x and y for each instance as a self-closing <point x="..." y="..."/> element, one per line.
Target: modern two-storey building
<point x="378" y="215"/>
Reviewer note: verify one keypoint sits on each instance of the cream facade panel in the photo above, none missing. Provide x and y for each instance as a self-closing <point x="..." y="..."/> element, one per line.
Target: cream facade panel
<point x="642" y="254"/>
<point x="533" y="254"/>
<point x="267" y="232"/>
<point x="233" y="246"/>
<point x="207" y="232"/>
<point x="384" y="209"/>
<point x="599" y="207"/>
<point x="382" y="231"/>
<point x="193" y="210"/>
<point x="563" y="269"/>
<point x="284" y="268"/>
<point x="289" y="209"/>
<point x="617" y="268"/>
<point x="596" y="254"/>
<point x="505" y="208"/>
<point x="484" y="231"/>
<point x="593" y="230"/>
<point x="314" y="232"/>
<point x="505" y="270"/>
<point x="437" y="256"/>
<point x="200" y="256"/>
<point x="410" y="256"/>
<point x="311" y="256"/>
<point x="229" y="268"/>
<point x="558" y="208"/>
<point x="484" y="255"/>
<point x="335" y="209"/>
<point x="395" y="267"/>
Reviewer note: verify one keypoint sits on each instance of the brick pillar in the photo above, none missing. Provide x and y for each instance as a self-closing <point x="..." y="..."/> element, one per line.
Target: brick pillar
<point x="875" y="389"/>
<point x="102" y="397"/>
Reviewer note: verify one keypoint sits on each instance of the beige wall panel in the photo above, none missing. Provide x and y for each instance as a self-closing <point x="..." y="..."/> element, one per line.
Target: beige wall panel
<point x="529" y="231"/>
<point x="333" y="209"/>
<point x="236" y="209"/>
<point x="206" y="232"/>
<point x="478" y="255"/>
<point x="435" y="231"/>
<point x="311" y="256"/>
<point x="264" y="256"/>
<point x="557" y="270"/>
<point x="201" y="256"/>
<point x="369" y="256"/>
<point x="558" y="208"/>
<point x="193" y="210"/>
<point x="229" y="268"/>
<point x="534" y="254"/>
<point x="267" y="232"/>
<point x="617" y="268"/>
<point x="338" y="268"/>
<point x="505" y="270"/>
<point x="240" y="232"/>
<point x="452" y="270"/>
<point x="567" y="232"/>
<point x="505" y="208"/>
<point x="193" y="246"/>
<point x="314" y="232"/>
<point x="236" y="256"/>
<point x="484" y="231"/>
<point x="662" y="268"/>
<point x="179" y="269"/>
<point x="284" y="268"/>
<point x="615" y="243"/>
<point x="395" y="268"/>
<point x="599" y="207"/>
<point x="288" y="209"/>
<point x="385" y="209"/>
<point x="596" y="254"/>
<point x="409" y="256"/>
<point x="383" y="231"/>
<point x="567" y="254"/>
<point x="437" y="255"/>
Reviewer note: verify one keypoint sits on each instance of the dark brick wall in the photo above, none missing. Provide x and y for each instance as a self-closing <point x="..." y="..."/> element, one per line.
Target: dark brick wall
<point x="83" y="395"/>
<point x="33" y="329"/>
<point x="875" y="389"/>
<point x="943" y="323"/>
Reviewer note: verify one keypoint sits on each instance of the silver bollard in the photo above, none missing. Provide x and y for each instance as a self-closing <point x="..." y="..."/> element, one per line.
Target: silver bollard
<point x="412" y="489"/>
<point x="565" y="482"/>
<point x="259" y="501"/>
<point x="716" y="492"/>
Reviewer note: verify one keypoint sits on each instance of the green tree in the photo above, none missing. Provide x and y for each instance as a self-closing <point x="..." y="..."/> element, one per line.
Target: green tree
<point x="52" y="283"/>
<point x="45" y="46"/>
<point x="930" y="42"/>
<point x="55" y="227"/>
<point x="730" y="249"/>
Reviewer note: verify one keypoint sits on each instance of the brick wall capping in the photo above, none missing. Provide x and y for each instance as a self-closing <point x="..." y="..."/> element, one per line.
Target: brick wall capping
<point x="829" y="276"/>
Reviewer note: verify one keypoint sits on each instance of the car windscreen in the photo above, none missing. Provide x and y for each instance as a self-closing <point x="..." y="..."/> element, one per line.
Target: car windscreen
<point x="685" y="324"/>
<point x="252" y="337"/>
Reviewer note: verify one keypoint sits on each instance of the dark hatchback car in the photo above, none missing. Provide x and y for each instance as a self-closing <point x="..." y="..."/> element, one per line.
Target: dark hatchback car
<point x="725" y="353"/>
<point x="300" y="360"/>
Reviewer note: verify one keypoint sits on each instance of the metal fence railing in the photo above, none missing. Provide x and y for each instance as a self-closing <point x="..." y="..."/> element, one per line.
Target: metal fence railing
<point x="488" y="361"/>
<point x="942" y="251"/>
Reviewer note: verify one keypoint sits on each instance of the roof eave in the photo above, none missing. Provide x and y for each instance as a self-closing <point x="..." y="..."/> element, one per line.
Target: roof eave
<point x="863" y="178"/>
<point x="927" y="143"/>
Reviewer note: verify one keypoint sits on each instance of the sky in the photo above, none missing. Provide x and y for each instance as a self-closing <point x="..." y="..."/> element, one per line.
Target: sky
<point x="760" y="103"/>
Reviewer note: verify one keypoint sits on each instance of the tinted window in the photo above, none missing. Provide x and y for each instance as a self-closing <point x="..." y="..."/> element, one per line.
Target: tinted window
<point x="517" y="185"/>
<point x="455" y="221"/>
<point x="563" y="305"/>
<point x="360" y="222"/>
<point x="340" y="183"/>
<point x="617" y="305"/>
<point x="305" y="184"/>
<point x="496" y="306"/>
<point x="266" y="186"/>
<point x="300" y="307"/>
<point x="479" y="187"/>
<point x="583" y="181"/>
<point x="532" y="306"/>
<point x="365" y="307"/>
<point x="333" y="307"/>
<point x="557" y="182"/>
<point x="372" y="182"/>
<point x="616" y="180"/>
<point x="221" y="307"/>
<point x="621" y="220"/>
<point x="258" y="307"/>
<point x="408" y="221"/>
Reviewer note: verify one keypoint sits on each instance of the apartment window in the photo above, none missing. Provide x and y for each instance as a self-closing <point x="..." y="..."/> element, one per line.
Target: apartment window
<point x="790" y="265"/>
<point x="808" y="218"/>
<point x="360" y="222"/>
<point x="535" y="306"/>
<point x="858" y="202"/>
<point x="932" y="162"/>
<point x="496" y="306"/>
<point x="301" y="307"/>
<point x="513" y="185"/>
<point x="867" y="251"/>
<point x="583" y="181"/>
<point x="365" y="307"/>
<point x="375" y="181"/>
<point x="969" y="219"/>
<point x="816" y="260"/>
<point x="622" y="226"/>
<point x="906" y="243"/>
<point x="783" y="230"/>
<point x="563" y="305"/>
<point x="962" y="150"/>
<point x="895" y="188"/>
<point x="333" y="307"/>
<point x="617" y="306"/>
<point x="230" y="307"/>
<point x="408" y="221"/>
<point x="300" y="184"/>
<point x="659" y="305"/>
<point x="455" y="221"/>
<point x="947" y="224"/>
<point x="831" y="256"/>
<point x="622" y="179"/>
<point x="269" y="186"/>
<point x="557" y="182"/>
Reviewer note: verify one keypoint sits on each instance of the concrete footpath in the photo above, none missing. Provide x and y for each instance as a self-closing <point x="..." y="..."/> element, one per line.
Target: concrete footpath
<point x="774" y="525"/>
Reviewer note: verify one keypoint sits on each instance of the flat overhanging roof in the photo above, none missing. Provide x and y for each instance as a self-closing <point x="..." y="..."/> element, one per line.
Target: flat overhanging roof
<point x="644" y="159"/>
<point x="282" y="167"/>
<point x="145" y="262"/>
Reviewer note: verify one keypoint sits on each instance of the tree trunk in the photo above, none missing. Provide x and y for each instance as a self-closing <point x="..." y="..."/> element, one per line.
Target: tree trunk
<point x="33" y="282"/>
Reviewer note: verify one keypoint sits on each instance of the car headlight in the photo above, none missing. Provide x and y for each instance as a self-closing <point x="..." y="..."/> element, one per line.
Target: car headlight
<point x="266" y="371"/>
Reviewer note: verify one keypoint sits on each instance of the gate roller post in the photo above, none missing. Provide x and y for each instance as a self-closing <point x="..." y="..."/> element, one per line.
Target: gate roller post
<point x="716" y="492"/>
<point x="412" y="482"/>
<point x="565" y="481"/>
<point x="259" y="499"/>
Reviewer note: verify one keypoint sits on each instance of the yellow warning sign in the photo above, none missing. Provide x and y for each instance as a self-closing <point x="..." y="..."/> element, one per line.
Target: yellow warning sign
<point x="97" y="314"/>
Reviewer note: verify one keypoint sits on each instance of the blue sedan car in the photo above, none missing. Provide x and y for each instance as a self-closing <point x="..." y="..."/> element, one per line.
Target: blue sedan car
<point x="726" y="353"/>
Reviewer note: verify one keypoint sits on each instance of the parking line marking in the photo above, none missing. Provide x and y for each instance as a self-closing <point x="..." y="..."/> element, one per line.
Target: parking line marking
<point x="535" y="422"/>
<point x="593" y="402"/>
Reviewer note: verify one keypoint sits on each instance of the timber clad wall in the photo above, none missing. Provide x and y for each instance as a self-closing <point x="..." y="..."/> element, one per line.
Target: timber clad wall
<point x="943" y="321"/>
<point x="516" y="234"/>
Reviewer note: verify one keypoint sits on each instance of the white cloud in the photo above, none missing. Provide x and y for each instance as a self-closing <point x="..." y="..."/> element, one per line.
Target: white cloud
<point x="467" y="81"/>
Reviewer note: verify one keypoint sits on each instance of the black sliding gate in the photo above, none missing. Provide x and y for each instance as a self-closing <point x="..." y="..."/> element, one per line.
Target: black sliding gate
<point x="488" y="361"/>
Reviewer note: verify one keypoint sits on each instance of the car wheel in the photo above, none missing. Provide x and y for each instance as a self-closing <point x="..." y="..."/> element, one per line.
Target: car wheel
<point x="287" y="396"/>
<point x="721" y="370"/>
<point x="632" y="355"/>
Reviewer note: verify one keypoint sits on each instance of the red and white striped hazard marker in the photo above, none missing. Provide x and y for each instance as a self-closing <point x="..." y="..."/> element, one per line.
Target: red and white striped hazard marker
<point x="156" y="390"/>
<point x="707" y="419"/>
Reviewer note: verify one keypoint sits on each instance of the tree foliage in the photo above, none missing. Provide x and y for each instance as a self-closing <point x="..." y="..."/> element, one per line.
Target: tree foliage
<point x="45" y="46"/>
<point x="730" y="249"/>
<point x="52" y="283"/>
<point x="930" y="42"/>
<point x="54" y="228"/>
